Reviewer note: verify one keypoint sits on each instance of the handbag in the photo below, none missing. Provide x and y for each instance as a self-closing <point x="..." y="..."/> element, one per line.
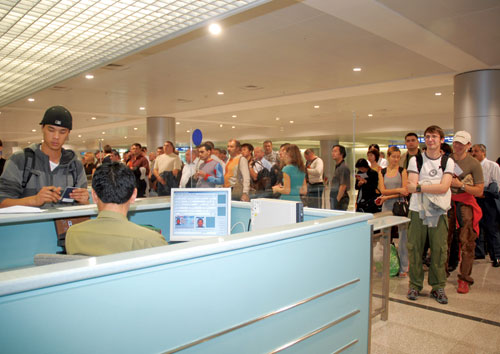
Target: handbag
<point x="400" y="208"/>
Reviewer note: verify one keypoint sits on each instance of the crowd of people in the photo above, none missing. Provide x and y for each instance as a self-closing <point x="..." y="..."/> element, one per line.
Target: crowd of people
<point x="450" y="194"/>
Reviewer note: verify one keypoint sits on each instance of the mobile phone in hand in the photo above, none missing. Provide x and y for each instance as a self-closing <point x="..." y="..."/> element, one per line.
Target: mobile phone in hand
<point x="65" y="198"/>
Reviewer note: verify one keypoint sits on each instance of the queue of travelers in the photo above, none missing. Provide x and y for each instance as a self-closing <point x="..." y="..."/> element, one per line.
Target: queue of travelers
<point x="452" y="193"/>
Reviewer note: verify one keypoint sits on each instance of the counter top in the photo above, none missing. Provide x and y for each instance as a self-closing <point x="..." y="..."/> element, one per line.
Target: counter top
<point x="82" y="210"/>
<point x="39" y="277"/>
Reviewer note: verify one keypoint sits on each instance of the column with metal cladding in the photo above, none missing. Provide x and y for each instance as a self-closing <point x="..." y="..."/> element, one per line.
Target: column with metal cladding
<point x="159" y="130"/>
<point x="477" y="107"/>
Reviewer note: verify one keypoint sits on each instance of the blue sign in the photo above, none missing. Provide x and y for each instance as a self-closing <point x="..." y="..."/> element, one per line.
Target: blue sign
<point x="197" y="137"/>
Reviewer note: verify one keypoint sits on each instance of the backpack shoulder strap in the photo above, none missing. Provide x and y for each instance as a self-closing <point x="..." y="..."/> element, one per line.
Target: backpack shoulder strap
<point x="384" y="171"/>
<point x="420" y="161"/>
<point x="74" y="172"/>
<point x="444" y="162"/>
<point x="29" y="165"/>
<point x="400" y="169"/>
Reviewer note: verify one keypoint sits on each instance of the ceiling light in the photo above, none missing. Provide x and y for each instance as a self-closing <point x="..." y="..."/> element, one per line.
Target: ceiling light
<point x="188" y="131"/>
<point x="356" y="69"/>
<point x="79" y="135"/>
<point x="103" y="133"/>
<point x="220" y="93"/>
<point x="316" y="106"/>
<point x="291" y="122"/>
<point x="370" y="115"/>
<point x="233" y="127"/>
<point x="89" y="76"/>
<point x="277" y="118"/>
<point x="135" y="128"/>
<point x="93" y="118"/>
<point x="215" y="28"/>
<point x="234" y="116"/>
<point x="142" y="108"/>
<point x="29" y="142"/>
<point x="177" y="123"/>
<point x="31" y="99"/>
<point x="221" y="125"/>
<point x="438" y="93"/>
<point x="82" y="141"/>
<point x="124" y="137"/>
<point x="33" y="130"/>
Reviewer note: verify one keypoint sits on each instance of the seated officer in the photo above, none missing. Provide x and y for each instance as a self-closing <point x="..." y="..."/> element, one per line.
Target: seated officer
<point x="113" y="189"/>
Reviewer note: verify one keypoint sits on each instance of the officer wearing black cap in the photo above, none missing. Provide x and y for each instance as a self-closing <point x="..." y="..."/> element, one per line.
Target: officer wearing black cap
<point x="38" y="175"/>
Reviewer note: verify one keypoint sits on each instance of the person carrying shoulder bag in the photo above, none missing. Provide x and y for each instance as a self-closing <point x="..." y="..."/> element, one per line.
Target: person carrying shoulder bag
<point x="392" y="185"/>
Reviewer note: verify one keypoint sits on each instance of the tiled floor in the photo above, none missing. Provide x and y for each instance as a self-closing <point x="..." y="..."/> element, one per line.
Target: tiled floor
<point x="469" y="323"/>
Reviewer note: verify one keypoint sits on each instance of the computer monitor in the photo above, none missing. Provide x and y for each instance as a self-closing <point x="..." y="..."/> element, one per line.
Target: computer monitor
<point x="199" y="213"/>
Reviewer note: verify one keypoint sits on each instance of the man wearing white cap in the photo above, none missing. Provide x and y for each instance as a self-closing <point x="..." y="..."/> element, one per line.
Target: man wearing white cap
<point x="465" y="214"/>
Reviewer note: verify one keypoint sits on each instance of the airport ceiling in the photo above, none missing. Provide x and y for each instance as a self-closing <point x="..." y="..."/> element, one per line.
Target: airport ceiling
<point x="285" y="68"/>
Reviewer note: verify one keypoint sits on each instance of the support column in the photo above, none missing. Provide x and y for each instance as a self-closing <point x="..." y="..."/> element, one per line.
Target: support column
<point x="159" y="130"/>
<point x="477" y="108"/>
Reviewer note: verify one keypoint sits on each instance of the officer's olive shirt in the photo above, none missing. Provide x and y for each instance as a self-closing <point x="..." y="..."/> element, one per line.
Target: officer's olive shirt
<point x="110" y="233"/>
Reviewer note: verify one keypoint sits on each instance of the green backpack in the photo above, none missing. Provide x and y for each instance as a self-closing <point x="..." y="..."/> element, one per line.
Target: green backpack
<point x="394" y="262"/>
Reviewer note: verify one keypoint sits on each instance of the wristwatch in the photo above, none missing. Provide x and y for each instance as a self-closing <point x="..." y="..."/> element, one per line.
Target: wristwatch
<point x="419" y="188"/>
<point x="463" y="187"/>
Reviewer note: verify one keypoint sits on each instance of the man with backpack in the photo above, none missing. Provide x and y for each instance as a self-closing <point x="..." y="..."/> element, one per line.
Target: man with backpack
<point x="429" y="180"/>
<point x="38" y="175"/>
<point x="260" y="172"/>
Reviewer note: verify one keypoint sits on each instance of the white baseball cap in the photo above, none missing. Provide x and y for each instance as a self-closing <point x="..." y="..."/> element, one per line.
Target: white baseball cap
<point x="462" y="137"/>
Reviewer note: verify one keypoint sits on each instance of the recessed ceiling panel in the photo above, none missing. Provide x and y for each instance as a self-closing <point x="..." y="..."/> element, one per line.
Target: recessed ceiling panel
<point x="44" y="42"/>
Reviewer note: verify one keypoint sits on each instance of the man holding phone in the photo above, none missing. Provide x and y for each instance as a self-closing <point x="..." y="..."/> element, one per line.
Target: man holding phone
<point x="38" y="175"/>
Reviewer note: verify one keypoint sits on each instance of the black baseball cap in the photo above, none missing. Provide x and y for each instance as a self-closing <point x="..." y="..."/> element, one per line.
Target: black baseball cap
<point x="59" y="116"/>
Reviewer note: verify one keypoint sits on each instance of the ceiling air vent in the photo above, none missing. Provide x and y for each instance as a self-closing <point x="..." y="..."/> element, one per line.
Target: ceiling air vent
<point x="114" y="67"/>
<point x="252" y="87"/>
<point x="60" y="88"/>
<point x="183" y="100"/>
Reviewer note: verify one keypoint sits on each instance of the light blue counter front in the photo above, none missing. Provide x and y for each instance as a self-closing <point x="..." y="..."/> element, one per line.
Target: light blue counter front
<point x="304" y="287"/>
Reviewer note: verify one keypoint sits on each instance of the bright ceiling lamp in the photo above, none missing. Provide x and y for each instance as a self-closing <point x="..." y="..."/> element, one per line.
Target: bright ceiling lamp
<point x="215" y="29"/>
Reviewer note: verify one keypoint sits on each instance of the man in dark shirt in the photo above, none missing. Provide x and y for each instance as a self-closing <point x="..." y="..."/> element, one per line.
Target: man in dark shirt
<point x="137" y="160"/>
<point x="341" y="181"/>
<point x="411" y="141"/>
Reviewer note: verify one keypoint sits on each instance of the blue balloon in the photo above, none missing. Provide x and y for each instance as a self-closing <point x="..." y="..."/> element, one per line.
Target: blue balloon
<point x="197" y="137"/>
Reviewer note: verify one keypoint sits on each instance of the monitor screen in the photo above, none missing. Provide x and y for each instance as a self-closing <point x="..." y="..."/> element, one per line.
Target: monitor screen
<point x="199" y="213"/>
